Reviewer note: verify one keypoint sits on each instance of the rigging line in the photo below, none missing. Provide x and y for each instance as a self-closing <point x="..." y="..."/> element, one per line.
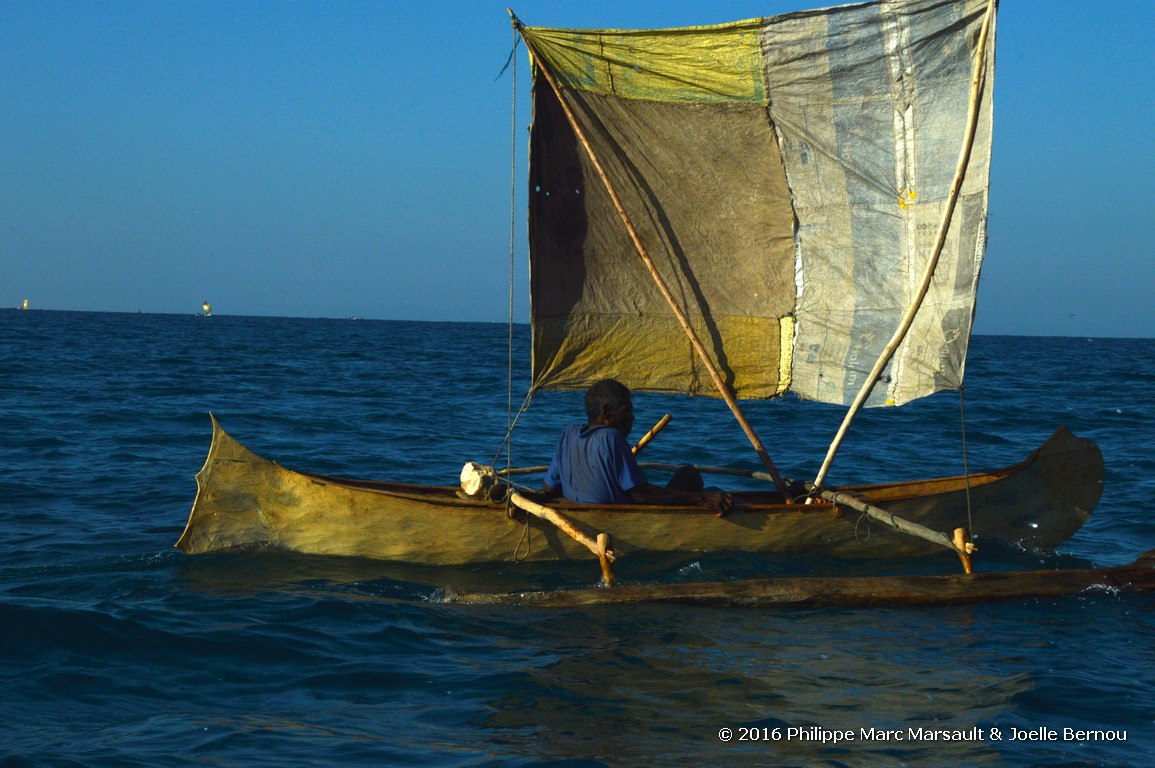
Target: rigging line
<point x="966" y="465"/>
<point x="509" y="421"/>
<point x="512" y="59"/>
<point x="524" y="539"/>
<point x="524" y="407"/>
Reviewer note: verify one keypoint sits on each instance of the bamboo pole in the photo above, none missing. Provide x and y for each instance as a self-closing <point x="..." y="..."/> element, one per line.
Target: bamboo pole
<point x="733" y="471"/>
<point x="660" y="466"/>
<point x="601" y="547"/>
<point x="646" y="438"/>
<point x="940" y="240"/>
<point x="695" y="341"/>
<point x="605" y="555"/>
<point x="960" y="544"/>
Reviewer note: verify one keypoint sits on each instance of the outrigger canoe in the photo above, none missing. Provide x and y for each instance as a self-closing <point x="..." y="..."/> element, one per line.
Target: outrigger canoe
<point x="788" y="205"/>
<point x="244" y="500"/>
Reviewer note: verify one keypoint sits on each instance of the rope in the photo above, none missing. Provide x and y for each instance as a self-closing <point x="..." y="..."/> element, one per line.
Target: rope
<point x="509" y="420"/>
<point x="525" y="538"/>
<point x="512" y="426"/>
<point x="512" y="59"/>
<point x="966" y="463"/>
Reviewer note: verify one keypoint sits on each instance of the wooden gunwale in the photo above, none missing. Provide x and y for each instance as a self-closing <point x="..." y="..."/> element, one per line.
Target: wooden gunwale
<point x="751" y="500"/>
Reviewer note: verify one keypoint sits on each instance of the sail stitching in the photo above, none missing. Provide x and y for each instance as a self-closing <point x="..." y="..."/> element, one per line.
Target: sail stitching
<point x="897" y="33"/>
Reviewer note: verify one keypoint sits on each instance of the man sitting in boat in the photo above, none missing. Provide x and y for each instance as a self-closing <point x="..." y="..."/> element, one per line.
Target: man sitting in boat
<point x="594" y="463"/>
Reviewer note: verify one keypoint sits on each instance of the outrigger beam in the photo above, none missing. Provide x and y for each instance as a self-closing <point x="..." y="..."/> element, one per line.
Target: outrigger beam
<point x="960" y="544"/>
<point x="602" y="546"/>
<point x="715" y="374"/>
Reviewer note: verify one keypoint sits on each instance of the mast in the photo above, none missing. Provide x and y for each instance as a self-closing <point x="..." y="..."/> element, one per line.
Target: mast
<point x="940" y="240"/>
<point x="695" y="341"/>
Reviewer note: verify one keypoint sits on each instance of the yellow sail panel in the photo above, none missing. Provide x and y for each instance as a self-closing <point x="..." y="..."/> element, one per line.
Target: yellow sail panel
<point x="691" y="64"/>
<point x="653" y="354"/>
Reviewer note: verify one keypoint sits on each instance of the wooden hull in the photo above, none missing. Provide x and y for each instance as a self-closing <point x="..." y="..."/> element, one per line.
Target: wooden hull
<point x="244" y="500"/>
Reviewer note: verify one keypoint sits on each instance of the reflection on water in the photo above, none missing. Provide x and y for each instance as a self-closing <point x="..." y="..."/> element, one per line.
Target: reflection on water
<point x="652" y="684"/>
<point x="669" y="676"/>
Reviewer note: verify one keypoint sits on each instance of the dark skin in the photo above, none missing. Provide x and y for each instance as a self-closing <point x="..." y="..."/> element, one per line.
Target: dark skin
<point x="622" y="419"/>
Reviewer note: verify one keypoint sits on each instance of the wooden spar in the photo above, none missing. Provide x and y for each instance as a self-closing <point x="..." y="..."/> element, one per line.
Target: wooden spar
<point x="960" y="545"/>
<point x="715" y="374"/>
<point x="605" y="555"/>
<point x="940" y="240"/>
<point x="733" y="471"/>
<point x="646" y="438"/>
<point x="860" y="591"/>
<point x="602" y="547"/>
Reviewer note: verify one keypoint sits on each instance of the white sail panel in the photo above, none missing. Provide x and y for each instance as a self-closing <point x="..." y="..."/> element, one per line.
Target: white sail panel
<point x="871" y="104"/>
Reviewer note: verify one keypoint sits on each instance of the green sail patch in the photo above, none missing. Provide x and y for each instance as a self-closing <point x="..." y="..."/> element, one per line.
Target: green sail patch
<point x="657" y="65"/>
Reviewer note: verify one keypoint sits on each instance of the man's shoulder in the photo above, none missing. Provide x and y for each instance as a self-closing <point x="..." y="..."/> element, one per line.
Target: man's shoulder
<point x="602" y="434"/>
<point x="611" y="442"/>
<point x="576" y="432"/>
<point x="603" y="437"/>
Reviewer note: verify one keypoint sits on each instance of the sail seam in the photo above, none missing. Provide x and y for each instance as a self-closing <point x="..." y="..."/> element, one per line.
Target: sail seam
<point x="897" y="32"/>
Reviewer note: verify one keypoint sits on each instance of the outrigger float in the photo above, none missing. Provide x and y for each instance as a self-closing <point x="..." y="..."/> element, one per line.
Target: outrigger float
<point x="851" y="591"/>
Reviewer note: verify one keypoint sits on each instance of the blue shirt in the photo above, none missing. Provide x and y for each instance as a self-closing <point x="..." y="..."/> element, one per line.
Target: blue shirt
<point x="594" y="465"/>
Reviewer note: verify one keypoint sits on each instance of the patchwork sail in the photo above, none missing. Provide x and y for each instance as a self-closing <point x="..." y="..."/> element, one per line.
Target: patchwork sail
<point x="787" y="177"/>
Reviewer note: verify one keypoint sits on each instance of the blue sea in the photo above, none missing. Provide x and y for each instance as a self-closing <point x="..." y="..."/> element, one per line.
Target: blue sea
<point x="118" y="650"/>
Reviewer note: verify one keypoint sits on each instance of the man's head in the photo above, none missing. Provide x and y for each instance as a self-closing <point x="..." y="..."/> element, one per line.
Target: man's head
<point x="608" y="403"/>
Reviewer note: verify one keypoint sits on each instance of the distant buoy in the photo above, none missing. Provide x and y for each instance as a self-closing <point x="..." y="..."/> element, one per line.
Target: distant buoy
<point x="24" y="305"/>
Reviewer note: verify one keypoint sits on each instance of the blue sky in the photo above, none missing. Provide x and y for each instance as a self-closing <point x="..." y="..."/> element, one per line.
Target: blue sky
<point x="340" y="159"/>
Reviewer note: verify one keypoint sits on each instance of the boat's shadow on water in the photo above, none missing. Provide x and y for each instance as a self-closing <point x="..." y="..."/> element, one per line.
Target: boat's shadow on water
<point x="252" y="571"/>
